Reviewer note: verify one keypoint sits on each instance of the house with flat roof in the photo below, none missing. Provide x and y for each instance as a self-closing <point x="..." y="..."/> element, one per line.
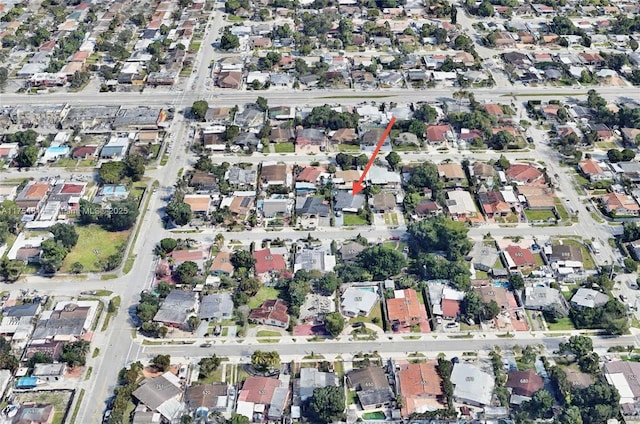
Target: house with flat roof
<point x="588" y="298"/>
<point x="471" y="385"/>
<point x="33" y="196"/>
<point x="358" y="301"/>
<point x="116" y="147"/>
<point x="311" y="379"/>
<point x="372" y="387"/>
<point x="460" y="205"/>
<point x="49" y="372"/>
<point x="33" y="413"/>
<point x="420" y="387"/>
<point x="623" y="375"/>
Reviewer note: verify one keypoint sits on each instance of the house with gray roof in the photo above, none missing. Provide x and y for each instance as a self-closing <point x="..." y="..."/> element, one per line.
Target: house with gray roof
<point x="216" y="307"/>
<point x="162" y="394"/>
<point x="312" y="378"/>
<point x="545" y="299"/>
<point x="249" y="118"/>
<point x="588" y="298"/>
<point x="358" y="301"/>
<point x="240" y="177"/>
<point x="347" y="202"/>
<point x="322" y="261"/>
<point x="176" y="308"/>
<point x="275" y="207"/>
<point x="471" y="385"/>
<point x="371" y="386"/>
<point x="351" y="250"/>
<point x="307" y="206"/>
<point x="483" y="257"/>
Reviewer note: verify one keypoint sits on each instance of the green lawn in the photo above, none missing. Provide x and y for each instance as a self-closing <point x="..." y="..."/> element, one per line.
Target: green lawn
<point x="535" y="215"/>
<point x="376" y="415"/>
<point x="562" y="324"/>
<point x="406" y="148"/>
<point x="349" y="219"/>
<point x="391" y="218"/>
<point x="263" y="294"/>
<point x="562" y="212"/>
<point x="285" y="148"/>
<point x="348" y="147"/>
<point x="375" y="315"/>
<point x="94" y="244"/>
<point x="267" y="333"/>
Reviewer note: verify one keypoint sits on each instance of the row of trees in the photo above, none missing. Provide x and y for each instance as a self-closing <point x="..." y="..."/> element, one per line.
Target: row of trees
<point x="55" y="250"/>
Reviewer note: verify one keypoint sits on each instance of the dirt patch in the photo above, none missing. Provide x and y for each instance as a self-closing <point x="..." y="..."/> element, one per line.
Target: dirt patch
<point x="73" y="372"/>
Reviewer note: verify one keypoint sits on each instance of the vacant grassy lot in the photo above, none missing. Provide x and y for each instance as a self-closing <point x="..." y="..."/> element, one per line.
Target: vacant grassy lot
<point x="349" y="219"/>
<point x="263" y="294"/>
<point x="94" y="244"/>
<point x="543" y="215"/>
<point x="285" y="148"/>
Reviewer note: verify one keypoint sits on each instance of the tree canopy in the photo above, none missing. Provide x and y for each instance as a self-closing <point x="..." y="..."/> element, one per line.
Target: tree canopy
<point x="199" y="109"/>
<point x="440" y="234"/>
<point x="381" y="262"/>
<point x="327" y="404"/>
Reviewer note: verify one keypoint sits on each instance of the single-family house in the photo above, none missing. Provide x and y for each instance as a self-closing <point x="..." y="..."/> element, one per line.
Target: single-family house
<point x="517" y="258"/>
<point x="420" y="387"/>
<point x="162" y="394"/>
<point x="312" y="378"/>
<point x="620" y="204"/>
<point x="452" y="173"/>
<point x="372" y="387"/>
<point x="358" y="301"/>
<point x="588" y="298"/>
<point x="215" y="307"/>
<point x="405" y="310"/>
<point x="524" y="174"/>
<point x="200" y="204"/>
<point x="540" y="298"/>
<point x="594" y="171"/>
<point x="383" y="202"/>
<point x="623" y="375"/>
<point x="524" y="383"/>
<point x="350" y="250"/>
<point x="271" y="312"/>
<point x="438" y="134"/>
<point x="176" y="308"/>
<point x="471" y="385"/>
<point x="268" y="262"/>
<point x="221" y="264"/>
<point x="460" y="205"/>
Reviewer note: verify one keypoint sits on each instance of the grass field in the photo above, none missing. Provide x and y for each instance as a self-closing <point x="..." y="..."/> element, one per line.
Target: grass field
<point x="562" y="324"/>
<point x="349" y="219"/>
<point x="263" y="294"/>
<point x="94" y="244"/>
<point x="348" y="147"/>
<point x="267" y="333"/>
<point x="539" y="215"/>
<point x="285" y="148"/>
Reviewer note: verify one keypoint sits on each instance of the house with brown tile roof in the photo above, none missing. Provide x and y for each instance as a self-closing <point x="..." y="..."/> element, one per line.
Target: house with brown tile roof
<point x="271" y="312"/>
<point x="221" y="264"/>
<point x="497" y="294"/>
<point x="274" y="174"/>
<point x="420" y="387"/>
<point x="537" y="197"/>
<point x="33" y="196"/>
<point x="524" y="383"/>
<point x="591" y="169"/>
<point x="517" y="258"/>
<point x="282" y="135"/>
<point x="371" y="386"/>
<point x="620" y="204"/>
<point x="494" y="109"/>
<point x="451" y="172"/>
<point x="344" y="135"/>
<point x="437" y="134"/>
<point x="180" y="256"/>
<point x="523" y="173"/>
<point x="493" y="204"/>
<point x="482" y="171"/>
<point x="199" y="203"/>
<point x="451" y="308"/>
<point x="258" y="390"/>
<point x="230" y="79"/>
<point x="310" y="174"/>
<point x="241" y="206"/>
<point x="405" y="310"/>
<point x="267" y="262"/>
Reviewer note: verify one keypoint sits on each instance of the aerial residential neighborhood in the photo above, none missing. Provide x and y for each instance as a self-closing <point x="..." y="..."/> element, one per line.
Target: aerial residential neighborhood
<point x="329" y="212"/>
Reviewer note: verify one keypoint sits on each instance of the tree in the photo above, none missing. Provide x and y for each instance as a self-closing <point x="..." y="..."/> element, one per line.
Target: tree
<point x="120" y="215"/>
<point x="193" y="322"/>
<point x="4" y="77"/>
<point x="516" y="281"/>
<point x="381" y="262"/>
<point x="209" y="365"/>
<point x="52" y="255"/>
<point x="65" y="234"/>
<point x="134" y="167"/>
<point x="162" y="362"/>
<point x="540" y="403"/>
<point x="425" y="112"/>
<point x="334" y="323"/>
<point x="242" y="259"/>
<point x="463" y="42"/>
<point x="328" y="283"/>
<point x="633" y="45"/>
<point x="39" y="358"/>
<point x="362" y="160"/>
<point x="454" y="15"/>
<point x="630" y="265"/>
<point x="229" y="42"/>
<point x="503" y="163"/>
<point x="265" y="361"/>
<point x="166" y="245"/>
<point x="186" y="419"/>
<point x="75" y="353"/>
<point x="239" y="419"/>
<point x="186" y="271"/>
<point x="418" y="128"/>
<point x="23" y="138"/>
<point x="490" y="310"/>
<point x="577" y="345"/>
<point x="179" y="212"/>
<point x="471" y="305"/>
<point x="262" y="103"/>
<point x="10" y="270"/>
<point x="199" y="109"/>
<point x="327" y="404"/>
<point x="8" y="360"/>
<point x="485" y="9"/>
<point x="440" y="234"/>
<point x="501" y="140"/>
<point x="111" y="172"/>
<point x="27" y="157"/>
<point x="393" y="159"/>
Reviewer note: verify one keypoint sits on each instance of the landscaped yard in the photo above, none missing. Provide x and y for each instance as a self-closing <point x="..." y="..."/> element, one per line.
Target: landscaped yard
<point x="562" y="212"/>
<point x="536" y="215"/>
<point x="391" y="218"/>
<point x="376" y="415"/>
<point x="348" y="147"/>
<point x="349" y="219"/>
<point x="375" y="317"/>
<point x="562" y="324"/>
<point x="263" y="294"/>
<point x="94" y="245"/>
<point x="285" y="148"/>
<point x="267" y="333"/>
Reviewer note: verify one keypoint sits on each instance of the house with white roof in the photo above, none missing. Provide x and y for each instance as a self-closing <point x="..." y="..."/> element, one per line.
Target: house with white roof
<point x="358" y="301"/>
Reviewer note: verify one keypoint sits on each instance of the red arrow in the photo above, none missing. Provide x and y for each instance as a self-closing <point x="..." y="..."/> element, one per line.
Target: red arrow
<point x="357" y="185"/>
